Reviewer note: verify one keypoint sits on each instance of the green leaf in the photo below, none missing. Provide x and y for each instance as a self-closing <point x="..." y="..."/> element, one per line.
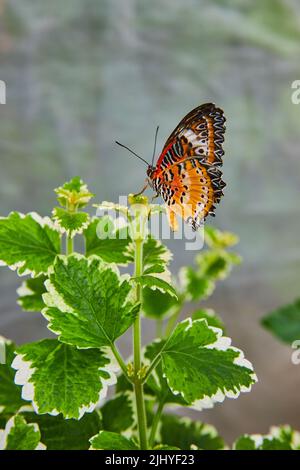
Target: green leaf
<point x="279" y="438"/>
<point x="88" y="302"/>
<point x="73" y="193"/>
<point x="216" y="265"/>
<point x="70" y="222"/>
<point x="157" y="384"/>
<point x="165" y="447"/>
<point x="200" y="365"/>
<point x="103" y="239"/>
<point x="154" y="283"/>
<point x="157" y="304"/>
<point x="210" y="316"/>
<point x="59" y="378"/>
<point x="10" y="393"/>
<point x="28" y="243"/>
<point x="118" y="414"/>
<point x="216" y="239"/>
<point x="111" y="441"/>
<point x="30" y="294"/>
<point x="58" y="433"/>
<point x="284" y="322"/>
<point x="195" y="285"/>
<point x="18" y="435"/>
<point x="185" y="433"/>
<point x="156" y="257"/>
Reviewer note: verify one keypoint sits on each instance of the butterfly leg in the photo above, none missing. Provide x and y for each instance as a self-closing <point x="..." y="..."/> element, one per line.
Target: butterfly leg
<point x="154" y="197"/>
<point x="143" y="189"/>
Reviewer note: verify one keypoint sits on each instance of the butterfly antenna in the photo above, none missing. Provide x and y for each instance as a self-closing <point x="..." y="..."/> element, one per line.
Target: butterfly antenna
<point x="133" y="153"/>
<point x="155" y="140"/>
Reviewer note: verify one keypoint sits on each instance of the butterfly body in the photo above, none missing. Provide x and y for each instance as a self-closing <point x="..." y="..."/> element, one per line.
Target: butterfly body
<point x="187" y="174"/>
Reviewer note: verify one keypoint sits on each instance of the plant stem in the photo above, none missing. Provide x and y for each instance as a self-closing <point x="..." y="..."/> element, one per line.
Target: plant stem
<point x="159" y="327"/>
<point x="69" y="245"/>
<point x="172" y="321"/>
<point x="155" y="423"/>
<point x="120" y="360"/>
<point x="138" y="385"/>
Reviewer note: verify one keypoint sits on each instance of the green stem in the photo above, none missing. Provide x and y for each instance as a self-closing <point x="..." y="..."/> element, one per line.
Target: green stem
<point x="138" y="385"/>
<point x="172" y="321"/>
<point x="159" y="327"/>
<point x="69" y="245"/>
<point x="155" y="423"/>
<point x="120" y="360"/>
<point x="152" y="366"/>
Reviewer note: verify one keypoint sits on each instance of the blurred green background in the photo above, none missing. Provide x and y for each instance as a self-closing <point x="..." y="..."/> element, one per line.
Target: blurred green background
<point x="81" y="74"/>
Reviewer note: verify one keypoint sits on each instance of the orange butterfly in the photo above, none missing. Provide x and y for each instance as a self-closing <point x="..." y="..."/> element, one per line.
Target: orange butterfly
<point x="187" y="174"/>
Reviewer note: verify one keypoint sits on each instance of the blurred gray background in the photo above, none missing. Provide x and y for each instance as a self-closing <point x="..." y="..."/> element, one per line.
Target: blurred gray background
<point x="81" y="74"/>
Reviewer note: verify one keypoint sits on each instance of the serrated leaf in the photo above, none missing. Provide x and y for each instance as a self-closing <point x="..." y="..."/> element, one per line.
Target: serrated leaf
<point x="118" y="414"/>
<point x="216" y="265"/>
<point x="195" y="286"/>
<point x="156" y="283"/>
<point x="109" y="243"/>
<point x="279" y="438"/>
<point x="157" y="304"/>
<point x="156" y="255"/>
<point x="73" y="193"/>
<point x="210" y="316"/>
<point x="59" y="378"/>
<point x="58" y="433"/>
<point x="88" y="302"/>
<point x="10" y="393"/>
<point x="70" y="222"/>
<point x="185" y="433"/>
<point x="218" y="239"/>
<point x="30" y="294"/>
<point x="18" y="435"/>
<point x="200" y="365"/>
<point x="284" y="322"/>
<point x="28" y="243"/>
<point x="157" y="384"/>
<point x="111" y="441"/>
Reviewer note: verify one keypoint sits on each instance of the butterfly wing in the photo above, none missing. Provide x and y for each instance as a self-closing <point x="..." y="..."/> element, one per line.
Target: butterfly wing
<point x="199" y="134"/>
<point x="190" y="188"/>
<point x="187" y="174"/>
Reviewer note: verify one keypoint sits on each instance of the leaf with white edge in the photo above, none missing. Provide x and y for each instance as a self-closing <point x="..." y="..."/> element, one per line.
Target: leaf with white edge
<point x="59" y="378"/>
<point x="73" y="193"/>
<point x="111" y="441"/>
<point x="111" y="243"/>
<point x="58" y="433"/>
<point x="195" y="286"/>
<point x="88" y="301"/>
<point x="68" y="222"/>
<point x="157" y="304"/>
<point x="218" y="239"/>
<point x="18" y="435"/>
<point x="185" y="433"/>
<point x="118" y="414"/>
<point x="31" y="294"/>
<point x="216" y="265"/>
<point x="279" y="438"/>
<point x="284" y="322"/>
<point x="28" y="243"/>
<point x="111" y="206"/>
<point x="200" y="365"/>
<point x="154" y="283"/>
<point x="10" y="393"/>
<point x="156" y="258"/>
<point x="210" y="316"/>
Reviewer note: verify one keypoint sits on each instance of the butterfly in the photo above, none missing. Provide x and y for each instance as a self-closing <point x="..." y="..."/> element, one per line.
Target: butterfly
<point x="187" y="174"/>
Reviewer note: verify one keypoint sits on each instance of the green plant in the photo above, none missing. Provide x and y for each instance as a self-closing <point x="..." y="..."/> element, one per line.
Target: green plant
<point x="52" y="391"/>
